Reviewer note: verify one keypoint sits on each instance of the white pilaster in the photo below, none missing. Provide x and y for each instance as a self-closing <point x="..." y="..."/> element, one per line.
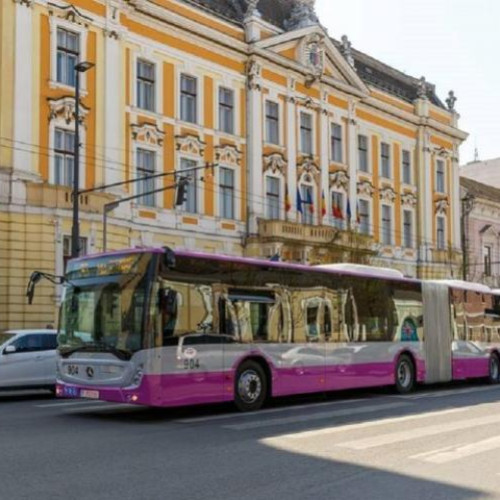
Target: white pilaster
<point x="324" y="163"/>
<point x="455" y="199"/>
<point x="112" y="131"/>
<point x="291" y="145"/>
<point x="425" y="208"/>
<point x="23" y="82"/>
<point x="255" y="150"/>
<point x="352" y="161"/>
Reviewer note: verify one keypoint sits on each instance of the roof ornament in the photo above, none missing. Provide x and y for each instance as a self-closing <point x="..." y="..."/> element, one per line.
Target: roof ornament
<point x="451" y="101"/>
<point x="302" y="15"/>
<point x="347" y="50"/>
<point x="422" y="88"/>
<point x="252" y="9"/>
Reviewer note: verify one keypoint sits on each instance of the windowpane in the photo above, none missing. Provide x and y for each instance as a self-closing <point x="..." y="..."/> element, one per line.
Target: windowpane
<point x="272" y="198"/>
<point x="68" y="52"/>
<point x="337" y="143"/>
<point x="191" y="203"/>
<point x="406" y="167"/>
<point x="227" y="193"/>
<point x="386" y="225"/>
<point x="272" y="122"/>
<point x="306" y="144"/>
<point x="188" y="99"/>
<point x="440" y="176"/>
<point x="226" y="110"/>
<point x="145" y="85"/>
<point x="364" y="217"/>
<point x="487" y="260"/>
<point x="407" y="229"/>
<point x="307" y="194"/>
<point x="146" y="167"/>
<point x="386" y="160"/>
<point x="64" y="143"/>
<point x="363" y="153"/>
<point x="441" y="240"/>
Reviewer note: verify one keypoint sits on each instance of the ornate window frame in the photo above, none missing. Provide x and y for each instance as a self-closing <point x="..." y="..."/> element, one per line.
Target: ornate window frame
<point x="81" y="29"/>
<point x="144" y="55"/>
<point x="62" y="117"/>
<point x="187" y="70"/>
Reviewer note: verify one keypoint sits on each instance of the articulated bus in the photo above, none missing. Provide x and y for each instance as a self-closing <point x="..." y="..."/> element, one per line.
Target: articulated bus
<point x="162" y="328"/>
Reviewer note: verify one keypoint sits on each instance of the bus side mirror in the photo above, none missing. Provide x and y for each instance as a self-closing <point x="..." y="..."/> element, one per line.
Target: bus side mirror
<point x="169" y="258"/>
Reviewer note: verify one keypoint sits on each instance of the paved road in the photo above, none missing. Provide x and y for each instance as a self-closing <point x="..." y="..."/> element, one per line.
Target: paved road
<point x="435" y="444"/>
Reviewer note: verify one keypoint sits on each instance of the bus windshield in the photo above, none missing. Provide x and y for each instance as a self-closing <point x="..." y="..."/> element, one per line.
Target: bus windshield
<point x="108" y="311"/>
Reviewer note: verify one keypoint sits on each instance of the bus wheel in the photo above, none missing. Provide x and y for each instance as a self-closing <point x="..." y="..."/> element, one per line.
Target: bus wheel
<point x="250" y="389"/>
<point x="494" y="376"/>
<point x="405" y="374"/>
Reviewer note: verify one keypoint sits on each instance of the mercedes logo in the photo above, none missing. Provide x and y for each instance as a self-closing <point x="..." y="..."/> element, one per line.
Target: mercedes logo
<point x="90" y="372"/>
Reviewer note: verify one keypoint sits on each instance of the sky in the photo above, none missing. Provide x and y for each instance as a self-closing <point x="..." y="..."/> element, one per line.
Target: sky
<point x="453" y="43"/>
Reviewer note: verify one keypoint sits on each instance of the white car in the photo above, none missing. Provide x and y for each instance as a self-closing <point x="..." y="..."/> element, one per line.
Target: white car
<point x="28" y="359"/>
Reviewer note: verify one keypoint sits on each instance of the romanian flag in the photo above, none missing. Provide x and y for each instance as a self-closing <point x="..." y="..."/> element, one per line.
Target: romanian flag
<point x="310" y="202"/>
<point x="288" y="203"/>
<point x="336" y="210"/>
<point x="323" y="203"/>
<point x="299" y="202"/>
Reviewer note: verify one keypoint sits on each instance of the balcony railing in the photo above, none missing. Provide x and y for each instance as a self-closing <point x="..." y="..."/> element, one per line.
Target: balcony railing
<point x="311" y="235"/>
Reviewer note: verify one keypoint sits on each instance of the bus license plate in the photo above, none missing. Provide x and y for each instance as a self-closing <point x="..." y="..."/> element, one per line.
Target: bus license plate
<point x="89" y="394"/>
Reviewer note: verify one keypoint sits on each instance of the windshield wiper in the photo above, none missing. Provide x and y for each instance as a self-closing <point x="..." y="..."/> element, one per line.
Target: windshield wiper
<point x="122" y="354"/>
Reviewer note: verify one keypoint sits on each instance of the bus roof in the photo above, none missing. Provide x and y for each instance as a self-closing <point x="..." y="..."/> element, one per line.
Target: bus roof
<point x="465" y="285"/>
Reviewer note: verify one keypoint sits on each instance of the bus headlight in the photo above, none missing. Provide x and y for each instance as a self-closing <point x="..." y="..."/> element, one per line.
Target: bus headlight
<point x="137" y="377"/>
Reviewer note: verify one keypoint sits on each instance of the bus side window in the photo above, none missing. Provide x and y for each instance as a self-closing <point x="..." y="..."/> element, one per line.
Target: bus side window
<point x="169" y="310"/>
<point x="226" y="325"/>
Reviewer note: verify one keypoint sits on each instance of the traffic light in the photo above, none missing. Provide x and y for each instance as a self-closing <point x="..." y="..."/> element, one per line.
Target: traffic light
<point x="181" y="194"/>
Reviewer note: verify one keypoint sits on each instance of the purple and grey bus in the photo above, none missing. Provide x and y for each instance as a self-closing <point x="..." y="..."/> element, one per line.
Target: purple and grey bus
<point x="162" y="328"/>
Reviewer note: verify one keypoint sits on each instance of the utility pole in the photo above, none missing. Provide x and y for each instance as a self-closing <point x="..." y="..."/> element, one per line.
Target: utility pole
<point x="75" y="232"/>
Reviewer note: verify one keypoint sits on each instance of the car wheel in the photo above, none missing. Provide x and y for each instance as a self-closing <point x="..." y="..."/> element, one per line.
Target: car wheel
<point x="494" y="372"/>
<point x="250" y="391"/>
<point x="405" y="374"/>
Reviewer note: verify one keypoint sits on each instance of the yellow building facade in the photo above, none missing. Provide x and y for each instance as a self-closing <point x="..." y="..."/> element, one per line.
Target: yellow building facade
<point x="294" y="143"/>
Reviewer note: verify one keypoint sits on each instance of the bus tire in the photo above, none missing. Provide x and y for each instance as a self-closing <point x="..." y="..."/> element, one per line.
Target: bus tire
<point x="494" y="370"/>
<point x="405" y="374"/>
<point x="250" y="386"/>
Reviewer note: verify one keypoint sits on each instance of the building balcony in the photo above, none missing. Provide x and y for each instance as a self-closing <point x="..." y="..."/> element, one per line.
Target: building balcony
<point x="276" y="230"/>
<point x="308" y="243"/>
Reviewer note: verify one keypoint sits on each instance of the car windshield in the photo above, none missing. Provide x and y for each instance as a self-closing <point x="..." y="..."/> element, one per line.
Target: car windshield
<point x="106" y="313"/>
<point x="4" y="337"/>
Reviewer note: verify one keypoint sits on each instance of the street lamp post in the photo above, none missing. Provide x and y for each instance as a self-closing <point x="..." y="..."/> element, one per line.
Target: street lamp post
<point x="467" y="206"/>
<point x="75" y="232"/>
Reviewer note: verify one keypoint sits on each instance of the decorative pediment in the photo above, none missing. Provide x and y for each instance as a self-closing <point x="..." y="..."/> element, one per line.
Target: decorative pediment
<point x="275" y="163"/>
<point x="387" y="194"/>
<point x="442" y="206"/>
<point x="307" y="102"/>
<point x="308" y="166"/>
<point x="312" y="48"/>
<point x="366" y="188"/>
<point x="64" y="108"/>
<point x="69" y="13"/>
<point x="409" y="200"/>
<point x="27" y="3"/>
<point x="442" y="153"/>
<point x="190" y="144"/>
<point x="228" y="155"/>
<point x="340" y="180"/>
<point x="147" y="133"/>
